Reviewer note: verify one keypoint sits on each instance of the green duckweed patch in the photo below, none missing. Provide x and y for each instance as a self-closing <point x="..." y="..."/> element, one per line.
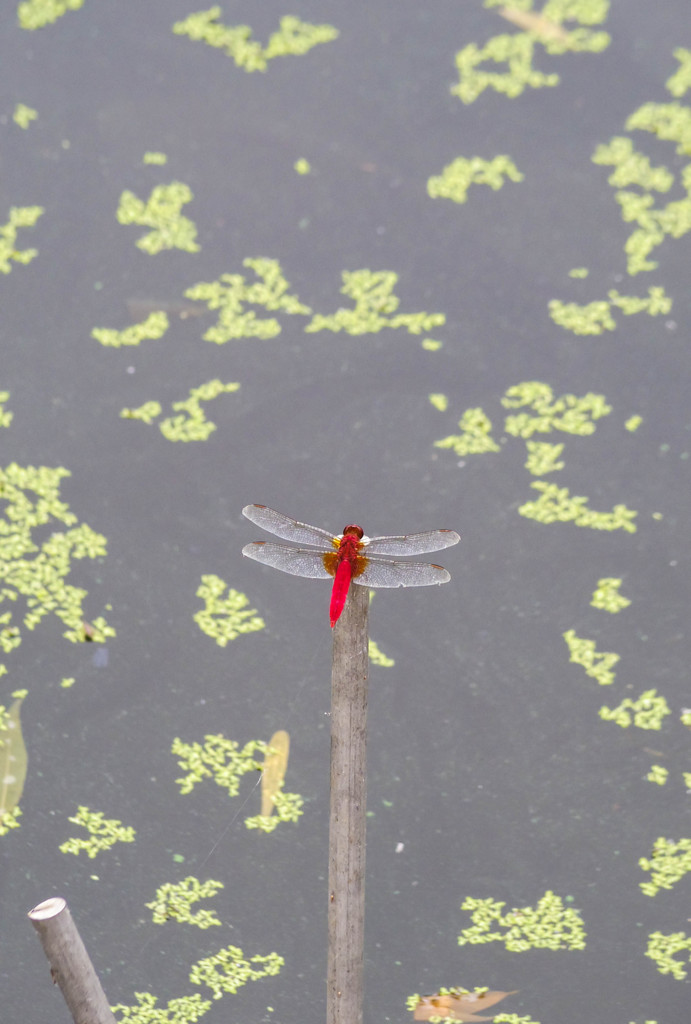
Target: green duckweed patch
<point x="474" y="438"/>
<point x="543" y="457"/>
<point x="155" y="158"/>
<point x="516" y="51"/>
<point x="557" y="505"/>
<point x="173" y="902"/>
<point x="302" y="166"/>
<point x="680" y="82"/>
<point x="375" y="304"/>
<point x="103" y="833"/>
<point x="663" y="950"/>
<point x="35" y="570"/>
<point x="670" y="122"/>
<point x="646" y="712"/>
<point x="161" y="212"/>
<point x="597" y="664"/>
<point x="185" y="1010"/>
<point x="596" y="317"/>
<point x="633" y="423"/>
<point x="293" y="38"/>
<point x="606" y="595"/>
<point x="658" y="774"/>
<point x="190" y="423"/>
<point x="155" y="326"/>
<point x="378" y="657"/>
<point x="225" y="762"/>
<point x="669" y="862"/>
<point x="20" y="217"/>
<point x="548" y="925"/>
<point x="457" y="177"/>
<point x="23" y="115"/>
<point x="440" y="402"/>
<point x="229" y="969"/>
<point x="5" y="416"/>
<point x="33" y="14"/>
<point x="225" y="618"/>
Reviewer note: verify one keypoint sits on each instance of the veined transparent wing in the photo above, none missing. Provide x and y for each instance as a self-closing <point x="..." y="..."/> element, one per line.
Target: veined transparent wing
<point x="413" y="543"/>
<point x="290" y="529"/>
<point x="296" y="561"/>
<point x="383" y="572"/>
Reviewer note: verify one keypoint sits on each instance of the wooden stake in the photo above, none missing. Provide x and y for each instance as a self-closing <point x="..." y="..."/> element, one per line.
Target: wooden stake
<point x="69" y="961"/>
<point x="350" y="666"/>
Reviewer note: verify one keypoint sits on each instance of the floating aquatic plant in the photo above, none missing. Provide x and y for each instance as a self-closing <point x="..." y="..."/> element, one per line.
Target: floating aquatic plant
<point x="5" y="416"/>
<point x="20" y="217"/>
<point x="474" y="438"/>
<point x="598" y="664"/>
<point x="30" y="501"/>
<point x="516" y="51"/>
<point x="542" y="457"/>
<point x="647" y="712"/>
<point x="161" y="212"/>
<point x="663" y="948"/>
<point x="293" y="38"/>
<point x="155" y="326"/>
<point x="606" y="595"/>
<point x="596" y="317"/>
<point x="378" y="657"/>
<point x="556" y="505"/>
<point x="457" y="177"/>
<point x="173" y="901"/>
<point x="104" y="833"/>
<point x="658" y="774"/>
<point x="669" y="862"/>
<point x="568" y="413"/>
<point x="225" y="618"/>
<point x="372" y="293"/>
<point x="186" y="1010"/>
<point x="33" y="14"/>
<point x="229" y="969"/>
<point x="23" y="115"/>
<point x="548" y="925"/>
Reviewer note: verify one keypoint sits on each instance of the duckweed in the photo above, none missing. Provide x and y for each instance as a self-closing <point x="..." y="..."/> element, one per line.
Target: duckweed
<point x="598" y="664"/>
<point x="191" y="424"/>
<point x="37" y="572"/>
<point x="104" y="833"/>
<point x="517" y="51"/>
<point x="155" y="326"/>
<point x="33" y="14"/>
<point x="680" y="82"/>
<point x="568" y="413"/>
<point x="5" y="416"/>
<point x="231" y="292"/>
<point x="162" y="213"/>
<point x="372" y="293"/>
<point x="457" y="177"/>
<point x="219" y="759"/>
<point x="596" y="317"/>
<point x="669" y="863"/>
<point x="225" y="618"/>
<point x="186" y="1010"/>
<point x="23" y="115"/>
<point x="228" y="970"/>
<point x="542" y="457"/>
<point x="658" y="774"/>
<point x="173" y="901"/>
<point x="606" y="595"/>
<point x="474" y="438"/>
<point x="647" y="712"/>
<point x="378" y="657"/>
<point x="20" y="217"/>
<point x="663" y="948"/>
<point x="294" y="37"/>
<point x="557" y="506"/>
<point x="548" y="925"/>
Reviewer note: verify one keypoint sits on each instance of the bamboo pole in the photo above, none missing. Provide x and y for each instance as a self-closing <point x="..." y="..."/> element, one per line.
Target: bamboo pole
<point x="70" y="966"/>
<point x="348" y="808"/>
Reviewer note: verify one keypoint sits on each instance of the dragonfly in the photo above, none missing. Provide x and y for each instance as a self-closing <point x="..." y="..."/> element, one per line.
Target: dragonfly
<point x="347" y="557"/>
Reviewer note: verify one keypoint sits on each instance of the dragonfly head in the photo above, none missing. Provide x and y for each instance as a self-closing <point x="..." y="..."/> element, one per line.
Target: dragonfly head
<point x="353" y="531"/>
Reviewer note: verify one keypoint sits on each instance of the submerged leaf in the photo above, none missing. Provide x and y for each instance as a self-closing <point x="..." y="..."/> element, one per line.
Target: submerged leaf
<point x="275" y="764"/>
<point x="457" y="1004"/>
<point x="13" y="765"/>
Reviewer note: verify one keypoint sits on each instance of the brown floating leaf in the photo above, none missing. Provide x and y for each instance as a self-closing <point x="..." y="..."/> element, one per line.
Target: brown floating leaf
<point x="13" y="760"/>
<point x="534" y="22"/>
<point x="458" y="1004"/>
<point x="275" y="764"/>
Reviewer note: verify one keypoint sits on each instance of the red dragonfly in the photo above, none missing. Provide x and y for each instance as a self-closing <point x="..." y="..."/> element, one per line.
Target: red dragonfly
<point x="348" y="556"/>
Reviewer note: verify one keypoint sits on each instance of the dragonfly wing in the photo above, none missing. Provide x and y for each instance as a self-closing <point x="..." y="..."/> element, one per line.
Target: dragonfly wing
<point x="289" y="529"/>
<point x="296" y="561"/>
<point x="381" y="572"/>
<point x="413" y="543"/>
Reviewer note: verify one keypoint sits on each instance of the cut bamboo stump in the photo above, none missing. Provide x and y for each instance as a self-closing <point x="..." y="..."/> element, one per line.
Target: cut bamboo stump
<point x="348" y="808"/>
<point x="70" y="966"/>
